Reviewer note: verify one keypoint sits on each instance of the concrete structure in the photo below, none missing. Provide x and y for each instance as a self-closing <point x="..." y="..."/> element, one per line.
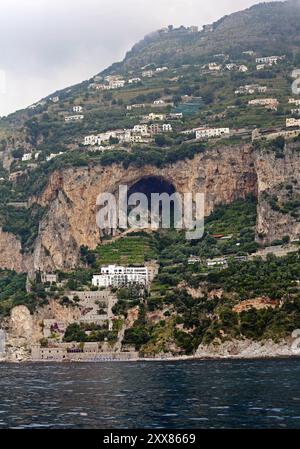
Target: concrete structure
<point x="208" y="133"/>
<point x="96" y="307"/>
<point x="118" y="276"/>
<point x="295" y="102"/>
<point x="194" y="259"/>
<point x="270" y="60"/>
<point x="161" y="69"/>
<point x="134" y="80"/>
<point x="152" y="117"/>
<point x="175" y="116"/>
<point x="27" y="157"/>
<point x="292" y="122"/>
<point x="218" y="262"/>
<point x="156" y="128"/>
<point x="77" y="108"/>
<point x="53" y="156"/>
<point x="251" y="89"/>
<point x="214" y="67"/>
<point x="268" y="103"/>
<point x="148" y="74"/>
<point x="51" y="278"/>
<point x="74" y="118"/>
<point x="117" y="84"/>
<point x="141" y="129"/>
<point x="55" y="99"/>
<point x="76" y="352"/>
<point x="135" y="106"/>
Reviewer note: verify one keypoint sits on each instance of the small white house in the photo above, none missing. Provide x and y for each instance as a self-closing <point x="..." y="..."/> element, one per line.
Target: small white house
<point x="148" y="74"/>
<point x="77" y="108"/>
<point x="74" y="118"/>
<point x="117" y="84"/>
<point x="27" y="157"/>
<point x="208" y="133"/>
<point x="292" y="122"/>
<point x="134" y="80"/>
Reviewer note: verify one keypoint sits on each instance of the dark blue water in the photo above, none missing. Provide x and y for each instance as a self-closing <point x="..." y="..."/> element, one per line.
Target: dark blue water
<point x="200" y="394"/>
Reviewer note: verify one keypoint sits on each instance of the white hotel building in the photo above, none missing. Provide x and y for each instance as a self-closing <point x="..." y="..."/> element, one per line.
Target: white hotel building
<point x="118" y="276"/>
<point x="207" y="133"/>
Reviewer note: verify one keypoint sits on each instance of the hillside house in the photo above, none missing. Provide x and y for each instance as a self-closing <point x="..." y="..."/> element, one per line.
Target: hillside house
<point x="269" y="60"/>
<point x="295" y="102"/>
<point x="74" y="118"/>
<point x="134" y="80"/>
<point x="26" y="157"/>
<point x="156" y="128"/>
<point x="250" y="89"/>
<point x="212" y="66"/>
<point x="48" y="278"/>
<point x="148" y="74"/>
<point x="53" y="156"/>
<point x="117" y="84"/>
<point x="208" y="133"/>
<point x="175" y="116"/>
<point x="268" y="103"/>
<point x="130" y="107"/>
<point x="292" y="122"/>
<point x="161" y="69"/>
<point x="152" y="117"/>
<point x="141" y="129"/>
<point x="220" y="262"/>
<point x="77" y="108"/>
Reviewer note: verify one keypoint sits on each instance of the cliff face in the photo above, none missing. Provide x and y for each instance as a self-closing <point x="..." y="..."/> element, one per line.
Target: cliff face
<point x="11" y="256"/>
<point x="223" y="175"/>
<point x="278" y="181"/>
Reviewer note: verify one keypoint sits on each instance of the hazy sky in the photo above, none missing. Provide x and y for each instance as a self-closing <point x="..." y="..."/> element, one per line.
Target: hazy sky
<point x="46" y="45"/>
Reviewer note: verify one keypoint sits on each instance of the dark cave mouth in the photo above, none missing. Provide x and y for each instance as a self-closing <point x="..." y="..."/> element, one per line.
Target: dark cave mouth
<point x="152" y="184"/>
<point x="161" y="211"/>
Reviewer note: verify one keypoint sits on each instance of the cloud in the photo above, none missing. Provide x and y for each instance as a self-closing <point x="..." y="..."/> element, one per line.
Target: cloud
<point x="46" y="45"/>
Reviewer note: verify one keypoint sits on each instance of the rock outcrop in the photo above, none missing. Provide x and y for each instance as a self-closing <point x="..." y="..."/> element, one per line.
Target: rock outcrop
<point x="278" y="182"/>
<point x="11" y="255"/>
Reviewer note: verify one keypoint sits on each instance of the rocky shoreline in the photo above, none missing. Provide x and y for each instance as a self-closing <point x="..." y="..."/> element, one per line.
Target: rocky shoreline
<point x="235" y="349"/>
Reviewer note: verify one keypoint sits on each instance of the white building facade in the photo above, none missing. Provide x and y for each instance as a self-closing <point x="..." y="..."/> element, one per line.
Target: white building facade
<point x="118" y="276"/>
<point x="207" y="133"/>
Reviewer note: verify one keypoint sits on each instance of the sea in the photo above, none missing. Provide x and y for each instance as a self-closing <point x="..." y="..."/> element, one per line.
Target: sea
<point x="220" y="394"/>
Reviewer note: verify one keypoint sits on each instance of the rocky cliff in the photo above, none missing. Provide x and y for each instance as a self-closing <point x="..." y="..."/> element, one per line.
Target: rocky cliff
<point x="278" y="185"/>
<point x="223" y="174"/>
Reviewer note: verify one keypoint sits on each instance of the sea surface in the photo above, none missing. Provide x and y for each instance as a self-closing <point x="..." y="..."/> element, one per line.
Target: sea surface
<point x="182" y="395"/>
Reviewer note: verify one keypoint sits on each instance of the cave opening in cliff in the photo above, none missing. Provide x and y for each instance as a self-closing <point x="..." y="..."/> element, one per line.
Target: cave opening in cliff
<point x="153" y="185"/>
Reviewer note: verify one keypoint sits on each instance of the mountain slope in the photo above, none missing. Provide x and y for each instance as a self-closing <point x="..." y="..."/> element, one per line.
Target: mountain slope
<point x="261" y="28"/>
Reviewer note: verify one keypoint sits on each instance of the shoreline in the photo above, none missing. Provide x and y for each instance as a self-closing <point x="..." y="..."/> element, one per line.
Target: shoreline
<point x="231" y="350"/>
